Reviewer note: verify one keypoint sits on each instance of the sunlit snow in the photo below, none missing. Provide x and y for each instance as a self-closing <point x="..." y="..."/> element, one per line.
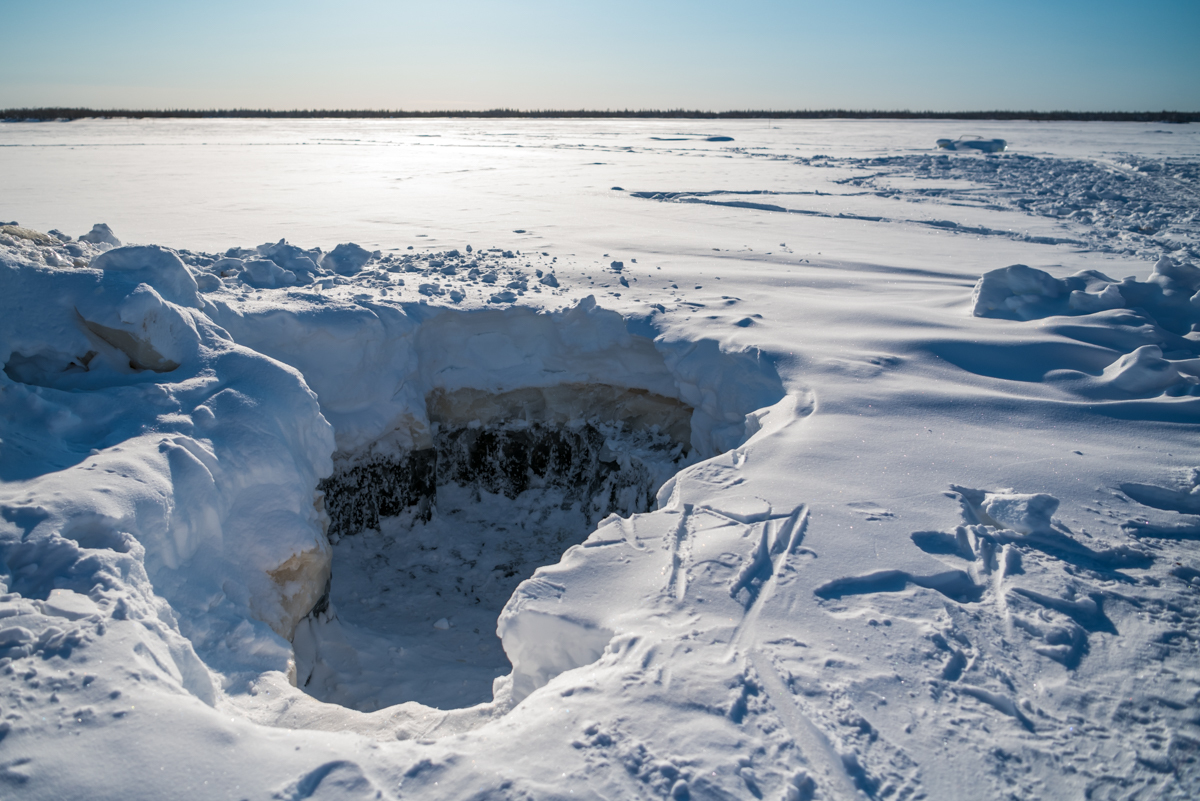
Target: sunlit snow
<point x="607" y="458"/>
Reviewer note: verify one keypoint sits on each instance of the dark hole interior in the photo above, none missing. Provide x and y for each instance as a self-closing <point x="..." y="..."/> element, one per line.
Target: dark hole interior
<point x="430" y="543"/>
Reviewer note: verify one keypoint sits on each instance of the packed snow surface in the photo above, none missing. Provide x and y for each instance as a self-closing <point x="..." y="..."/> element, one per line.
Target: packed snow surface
<point x="604" y="459"/>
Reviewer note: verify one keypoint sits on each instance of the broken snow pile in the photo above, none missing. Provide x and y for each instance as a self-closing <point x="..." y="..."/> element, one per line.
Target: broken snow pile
<point x="159" y="451"/>
<point x="1152" y="327"/>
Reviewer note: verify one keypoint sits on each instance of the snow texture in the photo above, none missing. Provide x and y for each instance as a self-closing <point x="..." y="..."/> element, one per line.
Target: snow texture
<point x="633" y="500"/>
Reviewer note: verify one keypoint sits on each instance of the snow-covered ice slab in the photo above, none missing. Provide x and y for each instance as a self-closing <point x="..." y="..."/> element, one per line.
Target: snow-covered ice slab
<point x="805" y="463"/>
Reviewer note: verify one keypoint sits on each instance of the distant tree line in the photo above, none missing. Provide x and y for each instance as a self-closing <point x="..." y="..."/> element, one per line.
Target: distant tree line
<point x="19" y="114"/>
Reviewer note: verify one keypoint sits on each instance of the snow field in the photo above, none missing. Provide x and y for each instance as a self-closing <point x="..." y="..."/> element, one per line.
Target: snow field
<point x="931" y="529"/>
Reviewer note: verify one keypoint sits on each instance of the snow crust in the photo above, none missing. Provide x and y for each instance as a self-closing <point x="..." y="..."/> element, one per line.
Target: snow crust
<point x="891" y="518"/>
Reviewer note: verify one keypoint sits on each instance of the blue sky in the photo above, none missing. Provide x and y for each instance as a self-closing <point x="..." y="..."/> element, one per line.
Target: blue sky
<point x="468" y="54"/>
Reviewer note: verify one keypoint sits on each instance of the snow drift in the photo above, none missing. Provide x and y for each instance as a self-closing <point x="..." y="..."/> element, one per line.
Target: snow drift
<point x="1143" y="334"/>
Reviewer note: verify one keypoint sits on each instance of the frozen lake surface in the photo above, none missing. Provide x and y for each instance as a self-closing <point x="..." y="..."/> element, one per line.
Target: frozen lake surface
<point x="622" y="459"/>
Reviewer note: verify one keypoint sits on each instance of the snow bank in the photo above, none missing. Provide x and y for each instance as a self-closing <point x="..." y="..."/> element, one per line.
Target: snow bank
<point x="159" y="452"/>
<point x="1151" y="328"/>
<point x="1170" y="297"/>
<point x="373" y="365"/>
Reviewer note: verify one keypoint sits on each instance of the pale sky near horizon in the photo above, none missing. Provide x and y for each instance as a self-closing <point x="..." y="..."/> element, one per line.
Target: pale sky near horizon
<point x="945" y="55"/>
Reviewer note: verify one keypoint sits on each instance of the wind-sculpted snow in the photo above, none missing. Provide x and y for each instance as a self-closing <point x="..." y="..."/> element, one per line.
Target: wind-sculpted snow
<point x="1148" y="326"/>
<point x="684" y="499"/>
<point x="1168" y="299"/>
<point x="1124" y="204"/>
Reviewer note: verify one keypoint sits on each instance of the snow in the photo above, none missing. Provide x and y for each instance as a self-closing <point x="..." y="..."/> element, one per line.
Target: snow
<point x="549" y="488"/>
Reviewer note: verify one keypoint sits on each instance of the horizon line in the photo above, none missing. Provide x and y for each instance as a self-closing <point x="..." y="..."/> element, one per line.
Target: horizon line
<point x="52" y="113"/>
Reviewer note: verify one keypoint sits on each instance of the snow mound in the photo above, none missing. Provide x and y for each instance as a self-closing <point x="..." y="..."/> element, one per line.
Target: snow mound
<point x="1145" y="335"/>
<point x="101" y="234"/>
<point x="265" y="274"/>
<point x="1009" y="510"/>
<point x="978" y="144"/>
<point x="169" y="449"/>
<point x="1170" y="297"/>
<point x="346" y="259"/>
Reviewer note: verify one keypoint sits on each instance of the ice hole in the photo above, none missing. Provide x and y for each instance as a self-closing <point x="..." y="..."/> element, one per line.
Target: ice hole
<point x="430" y="544"/>
<point x="473" y="448"/>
